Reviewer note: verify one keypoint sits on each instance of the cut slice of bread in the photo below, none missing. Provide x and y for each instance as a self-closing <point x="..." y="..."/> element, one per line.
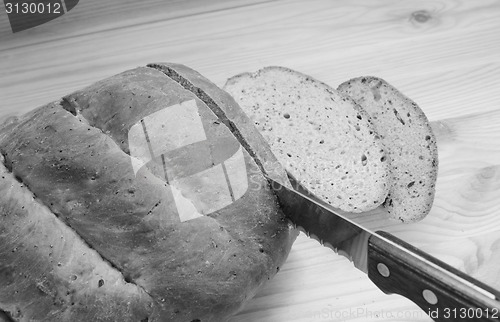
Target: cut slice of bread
<point x="410" y="142"/>
<point x="323" y="138"/>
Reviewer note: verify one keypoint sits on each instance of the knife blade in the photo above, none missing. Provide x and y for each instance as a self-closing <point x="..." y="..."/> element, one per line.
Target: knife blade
<point x="394" y="266"/>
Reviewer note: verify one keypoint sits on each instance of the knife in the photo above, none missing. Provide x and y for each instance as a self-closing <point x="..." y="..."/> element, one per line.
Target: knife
<point x="394" y="266"/>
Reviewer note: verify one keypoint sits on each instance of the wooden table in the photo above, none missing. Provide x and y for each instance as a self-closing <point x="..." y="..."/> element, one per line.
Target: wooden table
<point x="443" y="54"/>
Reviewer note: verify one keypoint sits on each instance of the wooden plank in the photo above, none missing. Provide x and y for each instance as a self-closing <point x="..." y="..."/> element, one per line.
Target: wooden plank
<point x="219" y="45"/>
<point x="441" y="53"/>
<point x="93" y="17"/>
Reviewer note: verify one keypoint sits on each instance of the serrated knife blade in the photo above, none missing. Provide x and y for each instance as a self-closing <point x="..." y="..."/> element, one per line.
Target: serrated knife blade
<point x="327" y="225"/>
<point x="393" y="265"/>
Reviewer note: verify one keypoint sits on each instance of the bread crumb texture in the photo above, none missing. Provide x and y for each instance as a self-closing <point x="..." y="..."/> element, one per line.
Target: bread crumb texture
<point x="410" y="142"/>
<point x="321" y="136"/>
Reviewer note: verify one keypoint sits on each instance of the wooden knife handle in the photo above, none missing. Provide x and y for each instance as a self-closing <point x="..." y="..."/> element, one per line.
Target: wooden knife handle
<point x="443" y="292"/>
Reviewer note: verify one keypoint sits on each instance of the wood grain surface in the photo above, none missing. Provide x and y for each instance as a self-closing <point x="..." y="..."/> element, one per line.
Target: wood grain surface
<point x="442" y="54"/>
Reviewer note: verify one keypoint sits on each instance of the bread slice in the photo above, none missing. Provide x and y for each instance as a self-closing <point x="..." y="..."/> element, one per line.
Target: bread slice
<point x="321" y="136"/>
<point x="410" y="141"/>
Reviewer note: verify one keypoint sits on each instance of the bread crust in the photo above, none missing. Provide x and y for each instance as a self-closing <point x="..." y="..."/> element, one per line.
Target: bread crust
<point x="74" y="156"/>
<point x="44" y="263"/>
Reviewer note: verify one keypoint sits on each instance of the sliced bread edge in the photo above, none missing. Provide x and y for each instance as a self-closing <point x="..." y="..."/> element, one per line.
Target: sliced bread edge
<point x="410" y="142"/>
<point x="273" y="106"/>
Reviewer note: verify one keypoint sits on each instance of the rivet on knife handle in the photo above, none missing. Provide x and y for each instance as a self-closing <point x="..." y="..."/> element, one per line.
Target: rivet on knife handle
<point x="442" y="291"/>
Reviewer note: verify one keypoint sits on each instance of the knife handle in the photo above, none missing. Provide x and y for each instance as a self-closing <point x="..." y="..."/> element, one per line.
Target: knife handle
<point x="443" y="292"/>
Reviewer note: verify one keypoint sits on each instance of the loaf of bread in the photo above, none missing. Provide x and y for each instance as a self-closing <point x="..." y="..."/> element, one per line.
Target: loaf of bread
<point x="410" y="142"/>
<point x="322" y="137"/>
<point x="134" y="200"/>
